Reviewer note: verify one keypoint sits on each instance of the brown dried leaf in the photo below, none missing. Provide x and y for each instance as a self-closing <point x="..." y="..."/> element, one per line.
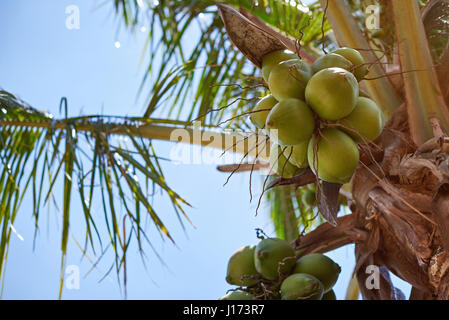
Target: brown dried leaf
<point x="329" y="201"/>
<point x="409" y="200"/>
<point x="412" y="170"/>
<point x="365" y="250"/>
<point x="443" y="167"/>
<point x="407" y="228"/>
<point x="395" y="147"/>
<point x="289" y="42"/>
<point x="430" y="145"/>
<point x="253" y="37"/>
<point x="440" y="206"/>
<point x="250" y="39"/>
<point x="388" y="290"/>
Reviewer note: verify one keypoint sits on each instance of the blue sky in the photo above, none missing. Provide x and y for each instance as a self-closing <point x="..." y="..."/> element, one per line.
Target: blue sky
<point x="41" y="61"/>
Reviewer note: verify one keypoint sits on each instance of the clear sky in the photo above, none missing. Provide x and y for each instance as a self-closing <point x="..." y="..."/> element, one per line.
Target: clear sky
<point x="41" y="61"/>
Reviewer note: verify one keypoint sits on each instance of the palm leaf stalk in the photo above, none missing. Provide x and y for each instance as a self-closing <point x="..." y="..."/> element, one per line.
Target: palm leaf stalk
<point x="425" y="103"/>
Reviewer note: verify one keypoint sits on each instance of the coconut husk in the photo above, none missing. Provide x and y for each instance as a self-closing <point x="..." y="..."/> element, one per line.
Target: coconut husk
<point x="254" y="38"/>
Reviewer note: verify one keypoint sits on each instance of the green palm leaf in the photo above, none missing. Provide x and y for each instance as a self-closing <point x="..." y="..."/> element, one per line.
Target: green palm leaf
<point x="37" y="149"/>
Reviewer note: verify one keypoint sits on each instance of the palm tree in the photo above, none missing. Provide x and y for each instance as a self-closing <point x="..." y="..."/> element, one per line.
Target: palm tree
<point x="398" y="196"/>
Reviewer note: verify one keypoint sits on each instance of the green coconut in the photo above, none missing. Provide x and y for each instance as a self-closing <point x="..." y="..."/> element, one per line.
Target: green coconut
<point x="288" y="79"/>
<point x="241" y="269"/>
<point x="290" y="122"/>
<point x="365" y="122"/>
<point x="274" y="256"/>
<point x="279" y="163"/>
<point x="301" y="286"/>
<point x="333" y="156"/>
<point x="272" y="59"/>
<point x="321" y="267"/>
<point x="332" y="93"/>
<point x="331" y="60"/>
<point x="360" y="69"/>
<point x="330" y="295"/>
<point x="238" y="295"/>
<point x="298" y="155"/>
<point x="260" y="112"/>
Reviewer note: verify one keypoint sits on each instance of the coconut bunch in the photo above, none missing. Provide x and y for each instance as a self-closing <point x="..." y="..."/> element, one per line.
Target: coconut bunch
<point x="272" y="270"/>
<point x="316" y="114"/>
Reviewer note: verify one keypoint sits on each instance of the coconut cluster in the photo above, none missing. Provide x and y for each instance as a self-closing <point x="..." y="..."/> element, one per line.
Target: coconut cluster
<point x="273" y="270"/>
<point x="316" y="114"/>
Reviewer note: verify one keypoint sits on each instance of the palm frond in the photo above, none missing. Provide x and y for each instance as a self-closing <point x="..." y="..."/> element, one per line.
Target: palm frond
<point x="289" y="214"/>
<point x="38" y="152"/>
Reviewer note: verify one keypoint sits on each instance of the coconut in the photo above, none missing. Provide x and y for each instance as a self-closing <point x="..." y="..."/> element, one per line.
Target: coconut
<point x="359" y="68"/>
<point x="298" y="155"/>
<point x="241" y="269"/>
<point x="261" y="110"/>
<point x="301" y="286"/>
<point x="319" y="266"/>
<point x="332" y="93"/>
<point x="274" y="256"/>
<point x="288" y="79"/>
<point x="238" y="295"/>
<point x="333" y="156"/>
<point x="290" y="122"/>
<point x="366" y="120"/>
<point x="279" y="163"/>
<point x="331" y="60"/>
<point x="272" y="59"/>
